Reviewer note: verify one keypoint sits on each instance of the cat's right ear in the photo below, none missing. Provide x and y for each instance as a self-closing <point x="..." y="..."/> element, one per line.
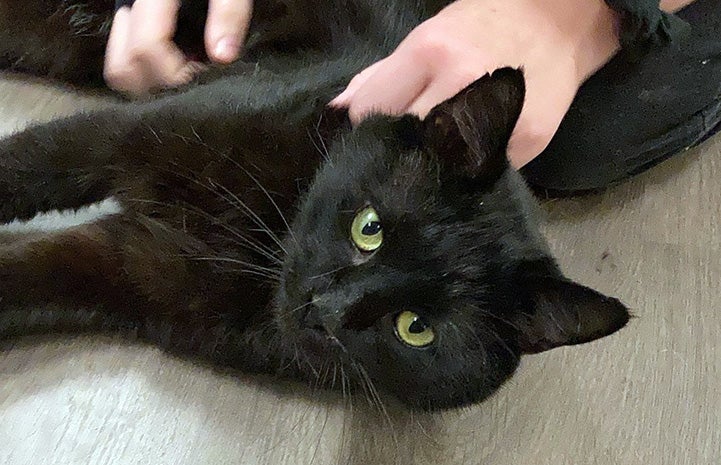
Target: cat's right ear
<point x="469" y="132"/>
<point x="332" y="120"/>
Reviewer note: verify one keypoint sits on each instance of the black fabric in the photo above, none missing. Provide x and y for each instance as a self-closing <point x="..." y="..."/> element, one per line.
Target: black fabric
<point x="644" y="25"/>
<point x="631" y="116"/>
<point x="121" y="3"/>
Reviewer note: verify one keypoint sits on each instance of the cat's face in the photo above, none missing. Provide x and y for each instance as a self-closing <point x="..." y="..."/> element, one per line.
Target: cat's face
<point x="413" y="262"/>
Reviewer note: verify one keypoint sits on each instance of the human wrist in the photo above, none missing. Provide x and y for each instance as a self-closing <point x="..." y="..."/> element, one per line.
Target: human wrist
<point x="600" y="44"/>
<point x="591" y="34"/>
<point x="672" y="6"/>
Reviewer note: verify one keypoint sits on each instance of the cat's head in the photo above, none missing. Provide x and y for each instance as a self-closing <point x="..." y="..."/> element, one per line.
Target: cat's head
<point x="414" y="261"/>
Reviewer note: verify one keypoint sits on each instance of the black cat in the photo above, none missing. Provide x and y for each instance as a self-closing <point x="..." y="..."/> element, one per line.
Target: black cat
<point x="259" y="231"/>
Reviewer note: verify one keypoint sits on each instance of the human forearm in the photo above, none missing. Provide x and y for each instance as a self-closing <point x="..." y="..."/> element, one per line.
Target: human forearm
<point x="671" y="6"/>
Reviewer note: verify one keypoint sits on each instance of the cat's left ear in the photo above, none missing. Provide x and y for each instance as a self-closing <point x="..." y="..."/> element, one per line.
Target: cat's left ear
<point x="561" y="312"/>
<point x="470" y="131"/>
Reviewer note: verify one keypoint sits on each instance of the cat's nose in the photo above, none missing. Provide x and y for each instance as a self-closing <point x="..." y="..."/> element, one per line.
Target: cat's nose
<point x="312" y="320"/>
<point x="319" y="317"/>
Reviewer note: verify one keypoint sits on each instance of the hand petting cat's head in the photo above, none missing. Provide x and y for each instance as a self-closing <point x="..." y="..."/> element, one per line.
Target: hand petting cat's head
<point x="414" y="262"/>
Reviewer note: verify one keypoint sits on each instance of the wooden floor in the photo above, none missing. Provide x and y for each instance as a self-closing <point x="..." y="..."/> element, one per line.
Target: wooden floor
<point x="648" y="395"/>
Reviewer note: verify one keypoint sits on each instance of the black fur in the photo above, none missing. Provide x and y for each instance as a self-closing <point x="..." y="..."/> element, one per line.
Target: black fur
<point x="238" y="194"/>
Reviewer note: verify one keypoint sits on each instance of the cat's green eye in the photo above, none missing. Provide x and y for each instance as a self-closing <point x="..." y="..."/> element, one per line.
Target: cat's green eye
<point x="366" y="230"/>
<point x="411" y="329"/>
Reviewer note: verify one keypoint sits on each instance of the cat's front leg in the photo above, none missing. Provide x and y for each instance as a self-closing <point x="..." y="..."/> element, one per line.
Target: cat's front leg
<point x="130" y="274"/>
<point x="117" y="271"/>
<point x="60" y="165"/>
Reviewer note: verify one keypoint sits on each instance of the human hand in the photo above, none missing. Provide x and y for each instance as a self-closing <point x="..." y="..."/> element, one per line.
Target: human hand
<point x="141" y="56"/>
<point x="557" y="44"/>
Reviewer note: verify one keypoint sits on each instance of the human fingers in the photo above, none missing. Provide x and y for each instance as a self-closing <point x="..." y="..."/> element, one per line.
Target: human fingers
<point x="152" y="27"/>
<point x="141" y="55"/>
<point x="358" y="80"/>
<point x="117" y="72"/>
<point x="226" y="28"/>
<point x="390" y="88"/>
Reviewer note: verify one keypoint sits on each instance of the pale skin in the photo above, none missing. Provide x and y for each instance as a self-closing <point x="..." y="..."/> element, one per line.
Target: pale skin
<point x="558" y="44"/>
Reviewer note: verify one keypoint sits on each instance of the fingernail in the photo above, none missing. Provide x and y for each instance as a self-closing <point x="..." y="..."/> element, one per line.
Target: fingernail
<point x="227" y="49"/>
<point x="341" y="99"/>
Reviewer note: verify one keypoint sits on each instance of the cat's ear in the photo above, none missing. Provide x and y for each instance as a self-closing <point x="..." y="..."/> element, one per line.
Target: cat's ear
<point x="561" y="312"/>
<point x="331" y="121"/>
<point x="470" y="131"/>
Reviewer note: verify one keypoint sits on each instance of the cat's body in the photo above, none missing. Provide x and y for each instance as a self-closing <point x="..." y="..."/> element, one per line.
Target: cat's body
<point x="230" y="247"/>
